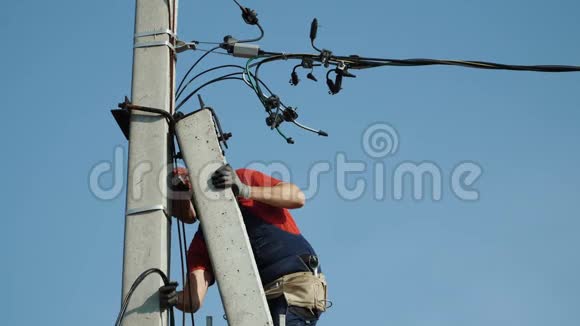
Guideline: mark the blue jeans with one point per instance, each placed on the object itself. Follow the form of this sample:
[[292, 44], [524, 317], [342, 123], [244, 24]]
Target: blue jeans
[[295, 316]]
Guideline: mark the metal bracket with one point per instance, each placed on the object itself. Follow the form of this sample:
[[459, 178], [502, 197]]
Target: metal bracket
[[155, 43], [181, 46], [139, 210]]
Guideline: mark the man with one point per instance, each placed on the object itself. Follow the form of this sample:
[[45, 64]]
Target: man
[[288, 266]]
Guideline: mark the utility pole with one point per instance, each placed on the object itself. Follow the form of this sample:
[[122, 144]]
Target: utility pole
[[225, 234], [147, 223], [147, 227]]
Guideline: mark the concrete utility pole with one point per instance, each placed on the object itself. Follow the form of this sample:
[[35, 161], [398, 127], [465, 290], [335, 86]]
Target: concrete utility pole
[[147, 231], [223, 227], [146, 224]]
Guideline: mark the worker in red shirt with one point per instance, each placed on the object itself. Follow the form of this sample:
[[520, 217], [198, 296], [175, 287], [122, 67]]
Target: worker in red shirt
[[288, 265]]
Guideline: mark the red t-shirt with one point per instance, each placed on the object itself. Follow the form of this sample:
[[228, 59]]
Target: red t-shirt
[[197, 254]]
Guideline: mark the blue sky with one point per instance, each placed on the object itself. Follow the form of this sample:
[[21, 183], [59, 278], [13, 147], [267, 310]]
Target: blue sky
[[509, 258]]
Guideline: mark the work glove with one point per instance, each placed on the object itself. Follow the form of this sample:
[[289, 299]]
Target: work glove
[[168, 295], [225, 177]]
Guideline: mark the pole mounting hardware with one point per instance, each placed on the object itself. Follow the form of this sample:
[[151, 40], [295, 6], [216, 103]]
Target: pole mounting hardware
[[169, 44]]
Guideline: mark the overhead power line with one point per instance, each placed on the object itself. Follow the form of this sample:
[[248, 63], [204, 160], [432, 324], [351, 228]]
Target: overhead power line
[[338, 68]]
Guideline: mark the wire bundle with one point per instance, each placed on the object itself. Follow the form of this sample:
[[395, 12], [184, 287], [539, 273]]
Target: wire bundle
[[339, 65]]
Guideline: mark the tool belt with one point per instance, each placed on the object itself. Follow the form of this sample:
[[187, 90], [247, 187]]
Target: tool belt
[[301, 289]]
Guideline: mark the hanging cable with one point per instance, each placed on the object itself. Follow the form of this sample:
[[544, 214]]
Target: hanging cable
[[184, 238], [256, 38], [192, 67], [251, 18], [183, 280], [224, 77], [182, 246], [134, 286], [464, 63], [203, 73], [341, 66]]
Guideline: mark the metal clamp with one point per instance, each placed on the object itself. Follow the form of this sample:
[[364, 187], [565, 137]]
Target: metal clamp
[[181, 46], [155, 43], [139, 210]]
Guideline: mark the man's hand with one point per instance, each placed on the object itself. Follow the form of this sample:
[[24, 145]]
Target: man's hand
[[225, 177], [168, 296]]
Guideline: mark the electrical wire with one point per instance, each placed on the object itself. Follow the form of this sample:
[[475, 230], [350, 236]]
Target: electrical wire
[[207, 42], [256, 38], [134, 286], [192, 67], [250, 77], [358, 62], [183, 237], [465, 63], [239, 5], [182, 252], [271, 59], [182, 264], [203, 73], [224, 77], [246, 11], [168, 117], [213, 51], [228, 77], [326, 58]]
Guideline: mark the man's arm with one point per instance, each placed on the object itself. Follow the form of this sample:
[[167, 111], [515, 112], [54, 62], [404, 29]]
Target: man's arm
[[182, 207], [197, 285], [282, 195], [183, 210]]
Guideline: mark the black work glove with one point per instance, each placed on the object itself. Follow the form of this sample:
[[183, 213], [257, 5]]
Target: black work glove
[[225, 177], [168, 295]]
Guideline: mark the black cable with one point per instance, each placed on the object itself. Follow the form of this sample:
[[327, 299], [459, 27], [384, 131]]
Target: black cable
[[164, 113], [182, 264], [134, 286], [180, 230], [256, 38], [314, 46], [265, 86], [193, 66], [168, 117], [357, 62], [276, 58], [224, 77], [203, 73], [464, 63], [184, 238], [179, 226], [250, 17]]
